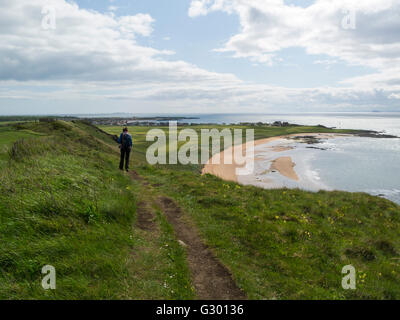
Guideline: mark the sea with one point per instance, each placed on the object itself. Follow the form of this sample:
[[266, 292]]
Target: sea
[[355, 164], [386, 122]]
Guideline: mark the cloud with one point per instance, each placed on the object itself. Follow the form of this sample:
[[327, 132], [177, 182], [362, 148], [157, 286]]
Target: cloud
[[321, 28], [86, 46], [97, 58], [138, 24]]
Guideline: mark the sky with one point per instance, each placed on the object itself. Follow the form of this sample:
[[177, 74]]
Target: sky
[[199, 56]]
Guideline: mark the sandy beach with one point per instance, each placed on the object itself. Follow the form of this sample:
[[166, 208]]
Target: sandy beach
[[284, 165]]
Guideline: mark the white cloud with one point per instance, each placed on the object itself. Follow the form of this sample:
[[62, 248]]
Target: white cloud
[[92, 56], [138, 24], [270, 26], [86, 45], [267, 27]]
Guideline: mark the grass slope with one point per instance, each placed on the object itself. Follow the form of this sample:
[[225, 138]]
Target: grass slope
[[64, 203], [287, 244]]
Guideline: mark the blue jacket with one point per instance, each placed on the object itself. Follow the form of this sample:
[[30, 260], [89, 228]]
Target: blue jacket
[[128, 137]]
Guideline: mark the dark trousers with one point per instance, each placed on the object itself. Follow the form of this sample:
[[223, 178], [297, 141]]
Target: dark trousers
[[125, 153]]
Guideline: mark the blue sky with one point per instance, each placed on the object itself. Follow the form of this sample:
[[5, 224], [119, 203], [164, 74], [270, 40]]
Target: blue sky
[[170, 56], [193, 40]]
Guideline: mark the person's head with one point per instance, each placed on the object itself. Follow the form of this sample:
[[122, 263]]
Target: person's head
[[125, 130]]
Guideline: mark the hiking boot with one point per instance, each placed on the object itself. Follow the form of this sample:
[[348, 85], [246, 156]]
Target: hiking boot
[[127, 170]]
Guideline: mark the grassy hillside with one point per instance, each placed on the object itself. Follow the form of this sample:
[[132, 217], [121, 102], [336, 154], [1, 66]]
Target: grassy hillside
[[287, 244], [64, 202]]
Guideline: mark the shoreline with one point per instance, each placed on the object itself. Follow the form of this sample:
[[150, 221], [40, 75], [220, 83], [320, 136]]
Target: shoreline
[[284, 165]]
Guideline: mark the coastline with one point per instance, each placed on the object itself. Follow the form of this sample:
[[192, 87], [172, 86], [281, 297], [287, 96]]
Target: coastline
[[283, 165]]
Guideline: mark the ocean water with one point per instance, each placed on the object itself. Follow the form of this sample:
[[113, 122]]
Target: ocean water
[[359, 164], [347, 163], [387, 122]]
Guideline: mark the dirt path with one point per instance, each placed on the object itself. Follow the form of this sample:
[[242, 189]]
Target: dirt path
[[212, 281], [145, 217]]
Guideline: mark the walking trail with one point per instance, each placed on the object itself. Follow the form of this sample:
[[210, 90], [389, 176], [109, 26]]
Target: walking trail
[[211, 279]]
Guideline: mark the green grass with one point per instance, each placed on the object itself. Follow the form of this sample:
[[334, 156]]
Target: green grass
[[287, 244], [6, 123], [63, 202]]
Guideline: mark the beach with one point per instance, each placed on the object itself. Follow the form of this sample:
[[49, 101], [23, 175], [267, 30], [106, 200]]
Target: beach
[[284, 165], [316, 161]]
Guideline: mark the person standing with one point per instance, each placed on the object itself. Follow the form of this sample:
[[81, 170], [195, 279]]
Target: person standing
[[125, 141]]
